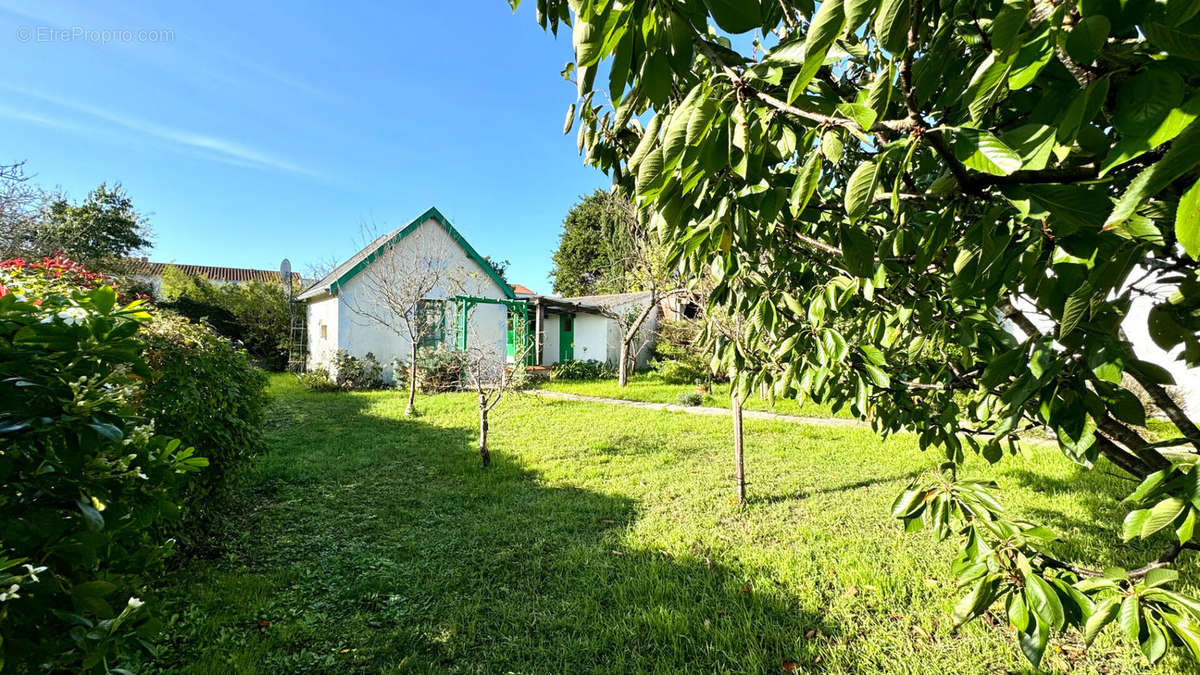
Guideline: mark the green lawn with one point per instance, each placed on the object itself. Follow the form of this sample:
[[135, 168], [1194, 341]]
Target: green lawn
[[602, 539], [650, 387]]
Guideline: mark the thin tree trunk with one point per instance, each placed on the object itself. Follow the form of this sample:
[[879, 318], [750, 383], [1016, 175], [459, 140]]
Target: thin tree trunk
[[411, 409], [736, 408], [483, 431], [623, 367]]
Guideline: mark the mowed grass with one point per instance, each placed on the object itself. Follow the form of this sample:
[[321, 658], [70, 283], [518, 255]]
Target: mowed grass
[[649, 387], [603, 539]]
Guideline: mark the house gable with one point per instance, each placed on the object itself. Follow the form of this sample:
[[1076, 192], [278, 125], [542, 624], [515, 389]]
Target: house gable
[[351, 268]]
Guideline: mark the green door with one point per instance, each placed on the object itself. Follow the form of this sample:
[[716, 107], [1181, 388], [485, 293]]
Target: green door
[[566, 337], [512, 335]]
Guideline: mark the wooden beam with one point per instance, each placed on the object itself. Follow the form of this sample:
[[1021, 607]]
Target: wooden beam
[[537, 331]]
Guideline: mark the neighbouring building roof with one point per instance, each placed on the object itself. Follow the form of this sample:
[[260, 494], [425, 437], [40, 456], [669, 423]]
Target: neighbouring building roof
[[357, 262], [144, 267], [609, 299], [522, 290]]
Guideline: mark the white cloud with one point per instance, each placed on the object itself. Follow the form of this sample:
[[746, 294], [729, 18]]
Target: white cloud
[[217, 148]]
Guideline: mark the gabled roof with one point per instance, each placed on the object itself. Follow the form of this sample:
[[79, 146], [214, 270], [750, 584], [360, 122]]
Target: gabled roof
[[522, 290], [359, 261], [143, 267]]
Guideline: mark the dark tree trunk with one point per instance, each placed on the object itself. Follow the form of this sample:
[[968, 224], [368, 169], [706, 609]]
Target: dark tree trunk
[[740, 473], [484, 455]]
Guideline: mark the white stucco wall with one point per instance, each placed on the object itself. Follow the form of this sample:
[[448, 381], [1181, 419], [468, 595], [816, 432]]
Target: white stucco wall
[[321, 350], [591, 337], [359, 334]]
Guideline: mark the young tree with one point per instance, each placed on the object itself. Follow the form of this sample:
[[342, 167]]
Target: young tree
[[486, 371], [18, 198], [405, 289], [100, 231], [941, 215]]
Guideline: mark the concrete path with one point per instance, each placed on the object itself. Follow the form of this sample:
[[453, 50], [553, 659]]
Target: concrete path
[[702, 410]]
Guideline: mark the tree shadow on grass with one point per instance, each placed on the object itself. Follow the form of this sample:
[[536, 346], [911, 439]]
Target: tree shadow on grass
[[856, 485], [371, 543]]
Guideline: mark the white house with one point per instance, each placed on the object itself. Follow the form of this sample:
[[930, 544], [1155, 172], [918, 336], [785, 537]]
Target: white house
[[478, 308]]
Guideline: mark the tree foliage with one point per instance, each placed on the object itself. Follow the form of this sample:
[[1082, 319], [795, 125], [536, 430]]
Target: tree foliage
[[938, 214], [591, 257], [99, 231]]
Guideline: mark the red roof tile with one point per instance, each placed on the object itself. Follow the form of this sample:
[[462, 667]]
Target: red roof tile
[[155, 269]]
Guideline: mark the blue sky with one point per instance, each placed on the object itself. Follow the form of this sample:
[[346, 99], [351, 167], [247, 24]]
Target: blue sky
[[252, 132]]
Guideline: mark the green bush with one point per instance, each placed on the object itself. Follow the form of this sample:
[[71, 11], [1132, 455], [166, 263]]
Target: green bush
[[318, 379], [255, 313], [679, 357], [583, 370], [353, 373], [87, 488], [680, 372], [204, 390], [691, 398], [439, 369]]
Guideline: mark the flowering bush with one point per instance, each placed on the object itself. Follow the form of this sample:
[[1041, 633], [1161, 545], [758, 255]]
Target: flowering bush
[[58, 274], [86, 485]]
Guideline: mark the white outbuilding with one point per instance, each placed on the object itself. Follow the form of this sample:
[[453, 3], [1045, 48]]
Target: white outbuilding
[[477, 309]]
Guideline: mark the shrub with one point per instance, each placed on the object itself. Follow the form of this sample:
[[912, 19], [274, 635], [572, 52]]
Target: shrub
[[439, 369], [86, 487], [353, 373], [318, 379], [254, 313], [583, 370], [679, 356], [204, 390], [691, 398], [680, 372]]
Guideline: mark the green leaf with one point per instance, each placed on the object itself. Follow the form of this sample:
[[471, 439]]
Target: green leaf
[[649, 170], [1148, 485], [831, 146], [1074, 309], [1132, 525], [987, 86], [982, 151], [93, 589], [1159, 577], [860, 190], [861, 113], [825, 27], [1180, 159], [1033, 642], [735, 16], [1187, 221], [1187, 528], [856, 12], [1103, 615], [1144, 101], [806, 182], [1007, 25], [570, 121], [1044, 601], [891, 25], [973, 603], [1087, 38], [1129, 619], [103, 299], [877, 375], [1162, 514], [907, 503], [1032, 57], [91, 516], [648, 140], [1155, 644]]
